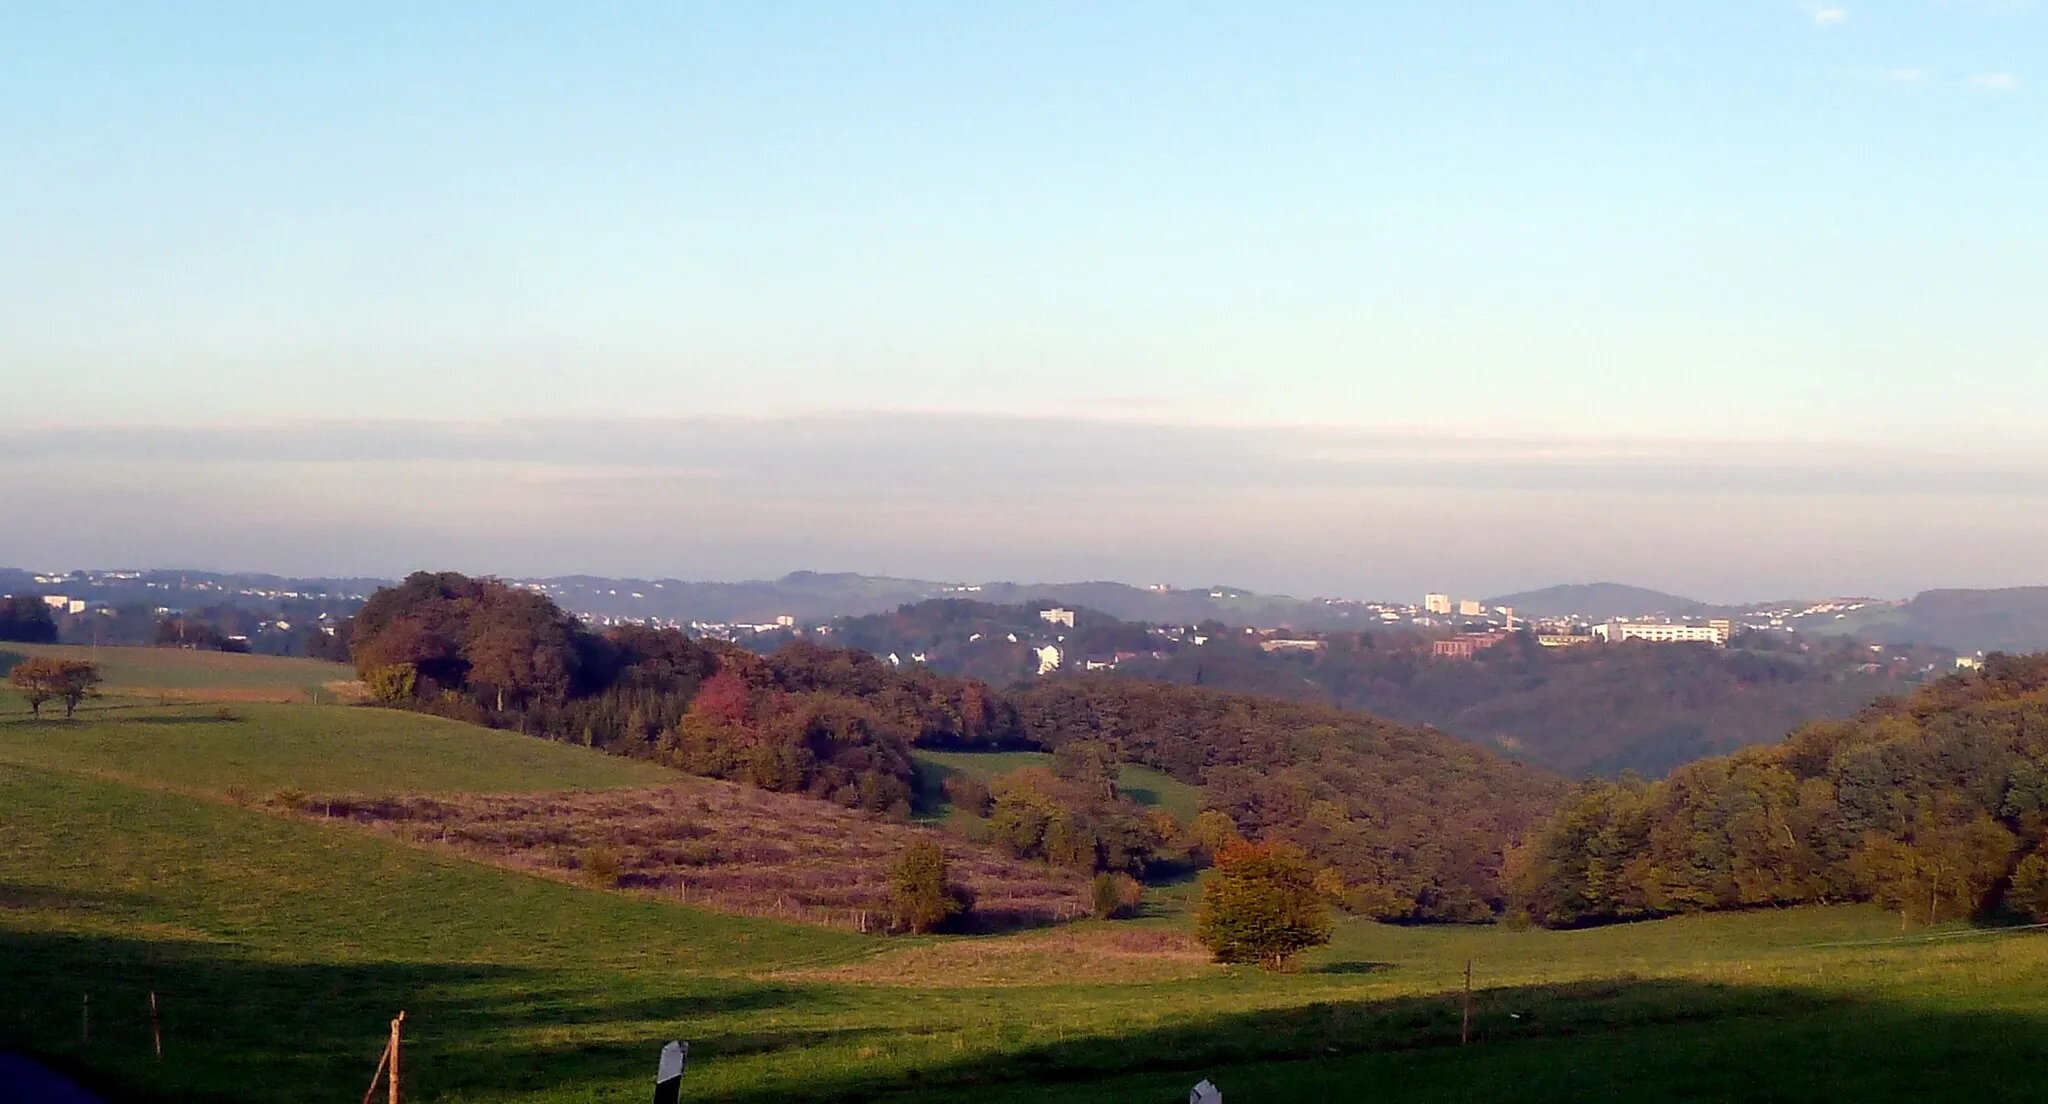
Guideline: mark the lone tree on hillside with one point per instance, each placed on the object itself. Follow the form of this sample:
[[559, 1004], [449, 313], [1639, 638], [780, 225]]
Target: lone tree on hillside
[[1262, 904], [918, 890], [43, 677]]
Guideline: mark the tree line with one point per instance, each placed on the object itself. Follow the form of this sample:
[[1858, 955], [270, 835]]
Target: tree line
[[1934, 805]]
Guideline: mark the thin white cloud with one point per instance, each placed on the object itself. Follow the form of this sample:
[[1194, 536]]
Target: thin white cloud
[[1907, 76], [1995, 82], [1829, 16]]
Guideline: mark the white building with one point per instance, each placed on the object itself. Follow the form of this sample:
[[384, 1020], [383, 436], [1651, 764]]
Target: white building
[[1471, 608], [1048, 659], [1057, 616], [1614, 632], [1436, 603]]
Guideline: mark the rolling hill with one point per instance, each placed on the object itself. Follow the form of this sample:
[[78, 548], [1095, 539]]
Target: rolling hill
[[1598, 602]]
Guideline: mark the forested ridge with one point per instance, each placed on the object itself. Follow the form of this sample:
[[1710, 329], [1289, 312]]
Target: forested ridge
[[1413, 822], [1935, 805]]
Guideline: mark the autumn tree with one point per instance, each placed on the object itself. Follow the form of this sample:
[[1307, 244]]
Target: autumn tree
[[919, 892], [34, 679], [2029, 892], [1262, 903], [42, 678], [1935, 871], [77, 680]]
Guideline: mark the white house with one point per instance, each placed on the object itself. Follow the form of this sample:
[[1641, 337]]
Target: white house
[[1048, 659]]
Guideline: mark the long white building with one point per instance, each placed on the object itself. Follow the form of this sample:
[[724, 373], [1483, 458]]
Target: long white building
[[1713, 632]]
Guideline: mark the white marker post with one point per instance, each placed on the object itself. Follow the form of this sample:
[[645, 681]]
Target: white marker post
[[668, 1077]]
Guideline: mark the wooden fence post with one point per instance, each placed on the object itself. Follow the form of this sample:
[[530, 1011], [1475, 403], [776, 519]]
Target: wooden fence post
[[395, 1024], [156, 1027], [387, 1064], [1465, 1027]]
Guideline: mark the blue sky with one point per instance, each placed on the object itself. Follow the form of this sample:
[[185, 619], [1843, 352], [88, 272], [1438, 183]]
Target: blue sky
[[1745, 226]]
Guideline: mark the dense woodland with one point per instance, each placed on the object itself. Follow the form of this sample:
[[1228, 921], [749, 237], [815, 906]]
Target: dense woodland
[[1414, 822], [1935, 805], [24, 618], [1594, 709]]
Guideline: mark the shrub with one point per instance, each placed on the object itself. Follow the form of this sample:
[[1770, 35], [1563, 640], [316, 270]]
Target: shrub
[[968, 793], [918, 892], [600, 866], [1262, 904], [392, 682], [1113, 895]]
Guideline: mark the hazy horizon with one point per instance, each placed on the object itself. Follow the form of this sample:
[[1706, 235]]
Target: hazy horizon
[[1294, 510], [1734, 301]]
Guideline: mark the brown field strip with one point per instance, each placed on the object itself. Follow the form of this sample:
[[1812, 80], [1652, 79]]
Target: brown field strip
[[717, 845]]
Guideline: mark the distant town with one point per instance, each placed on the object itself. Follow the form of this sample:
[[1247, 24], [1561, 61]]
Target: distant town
[[266, 613]]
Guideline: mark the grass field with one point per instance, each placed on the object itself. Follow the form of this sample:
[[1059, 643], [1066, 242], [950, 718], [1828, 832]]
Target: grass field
[[179, 675], [1142, 784], [280, 947], [264, 747]]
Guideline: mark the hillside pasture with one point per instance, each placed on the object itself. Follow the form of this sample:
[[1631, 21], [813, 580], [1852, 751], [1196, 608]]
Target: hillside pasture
[[1148, 787], [251, 750], [190, 675], [280, 947]]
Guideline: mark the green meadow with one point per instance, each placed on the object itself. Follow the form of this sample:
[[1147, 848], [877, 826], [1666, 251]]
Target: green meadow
[[280, 947], [177, 674], [252, 749], [1144, 785]]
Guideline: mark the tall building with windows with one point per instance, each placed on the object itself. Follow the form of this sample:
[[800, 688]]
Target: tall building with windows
[[1436, 603]]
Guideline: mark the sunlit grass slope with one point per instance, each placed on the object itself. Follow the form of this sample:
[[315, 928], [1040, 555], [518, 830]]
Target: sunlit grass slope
[[179, 674], [261, 748]]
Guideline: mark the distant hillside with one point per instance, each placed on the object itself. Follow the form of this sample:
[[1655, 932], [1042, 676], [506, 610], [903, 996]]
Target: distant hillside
[[2010, 620], [813, 598], [1596, 709], [1597, 602]]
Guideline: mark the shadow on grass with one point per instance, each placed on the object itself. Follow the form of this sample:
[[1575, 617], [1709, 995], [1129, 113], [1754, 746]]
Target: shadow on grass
[[239, 1029], [1351, 968], [26, 895], [1616, 1040]]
